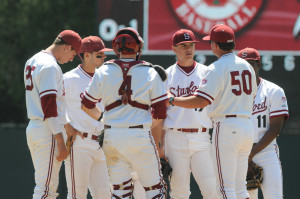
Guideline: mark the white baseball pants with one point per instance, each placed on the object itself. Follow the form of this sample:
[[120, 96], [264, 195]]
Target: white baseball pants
[[43, 149], [86, 168], [132, 149], [190, 152], [232, 143], [271, 186]]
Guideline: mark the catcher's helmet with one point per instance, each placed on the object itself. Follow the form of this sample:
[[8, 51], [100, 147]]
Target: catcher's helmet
[[126, 41]]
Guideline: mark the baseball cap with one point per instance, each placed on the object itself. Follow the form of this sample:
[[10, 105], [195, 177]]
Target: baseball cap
[[72, 38], [93, 44], [183, 36], [249, 54], [220, 33]]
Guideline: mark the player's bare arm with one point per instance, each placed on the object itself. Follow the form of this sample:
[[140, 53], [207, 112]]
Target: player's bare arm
[[93, 112], [269, 136], [189, 102], [62, 150], [156, 131]]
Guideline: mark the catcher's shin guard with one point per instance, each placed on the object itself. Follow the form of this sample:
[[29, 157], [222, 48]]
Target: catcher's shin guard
[[123, 190]]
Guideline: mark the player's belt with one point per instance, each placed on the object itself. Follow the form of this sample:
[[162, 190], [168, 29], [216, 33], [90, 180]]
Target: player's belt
[[94, 137], [228, 116], [131, 127], [189, 130]]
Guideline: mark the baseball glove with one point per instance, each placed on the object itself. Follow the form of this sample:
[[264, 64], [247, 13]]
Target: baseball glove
[[166, 168], [254, 176], [69, 144]]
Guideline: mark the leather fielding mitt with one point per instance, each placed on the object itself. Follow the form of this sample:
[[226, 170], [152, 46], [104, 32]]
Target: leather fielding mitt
[[254, 176], [166, 168], [69, 144]]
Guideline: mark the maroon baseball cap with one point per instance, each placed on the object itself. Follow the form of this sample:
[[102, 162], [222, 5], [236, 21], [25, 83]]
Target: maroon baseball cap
[[249, 54], [72, 38], [220, 33], [93, 44], [184, 36]]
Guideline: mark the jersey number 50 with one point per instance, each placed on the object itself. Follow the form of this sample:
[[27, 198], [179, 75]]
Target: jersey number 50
[[246, 83]]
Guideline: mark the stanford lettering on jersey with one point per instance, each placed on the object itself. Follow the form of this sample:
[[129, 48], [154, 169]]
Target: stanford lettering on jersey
[[188, 91], [259, 107]]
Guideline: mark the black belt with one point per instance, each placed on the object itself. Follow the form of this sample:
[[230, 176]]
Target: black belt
[[131, 127]]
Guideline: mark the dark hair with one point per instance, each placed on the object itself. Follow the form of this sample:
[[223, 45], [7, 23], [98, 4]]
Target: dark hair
[[59, 41], [226, 46]]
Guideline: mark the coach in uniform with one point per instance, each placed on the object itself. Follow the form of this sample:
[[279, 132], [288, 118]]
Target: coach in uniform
[[45, 104], [187, 141], [128, 87], [229, 86], [86, 166], [270, 109]]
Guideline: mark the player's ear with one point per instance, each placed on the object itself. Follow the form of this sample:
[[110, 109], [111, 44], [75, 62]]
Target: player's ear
[[173, 48], [67, 47]]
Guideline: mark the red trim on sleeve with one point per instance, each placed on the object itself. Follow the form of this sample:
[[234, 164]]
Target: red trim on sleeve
[[85, 93], [207, 96], [49, 106], [286, 116], [48, 91], [159, 110], [87, 103]]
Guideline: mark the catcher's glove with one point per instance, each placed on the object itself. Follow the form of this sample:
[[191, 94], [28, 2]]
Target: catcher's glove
[[254, 176], [166, 169], [69, 144]]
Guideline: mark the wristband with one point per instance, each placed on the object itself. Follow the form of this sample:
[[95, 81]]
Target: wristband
[[171, 99]]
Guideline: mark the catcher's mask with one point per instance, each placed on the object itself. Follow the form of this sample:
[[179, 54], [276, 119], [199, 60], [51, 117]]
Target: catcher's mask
[[126, 42]]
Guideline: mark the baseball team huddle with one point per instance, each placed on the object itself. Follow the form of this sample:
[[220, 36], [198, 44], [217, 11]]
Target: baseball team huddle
[[144, 114]]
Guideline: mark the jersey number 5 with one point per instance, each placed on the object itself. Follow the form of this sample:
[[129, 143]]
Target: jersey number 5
[[28, 82], [246, 83]]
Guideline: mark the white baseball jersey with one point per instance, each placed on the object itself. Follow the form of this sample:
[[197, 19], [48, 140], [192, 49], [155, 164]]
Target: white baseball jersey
[[43, 76], [233, 93], [76, 81], [182, 84], [107, 82], [270, 101]]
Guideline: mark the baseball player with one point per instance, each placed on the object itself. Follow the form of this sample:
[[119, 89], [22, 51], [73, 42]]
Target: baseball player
[[229, 86], [45, 104], [187, 141], [270, 109], [128, 87], [86, 166]]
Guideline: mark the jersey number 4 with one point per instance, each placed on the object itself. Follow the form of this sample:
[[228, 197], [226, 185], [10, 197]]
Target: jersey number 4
[[245, 85], [125, 87], [28, 77]]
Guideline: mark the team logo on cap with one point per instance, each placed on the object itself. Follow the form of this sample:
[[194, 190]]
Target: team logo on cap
[[244, 54], [202, 15], [186, 36]]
